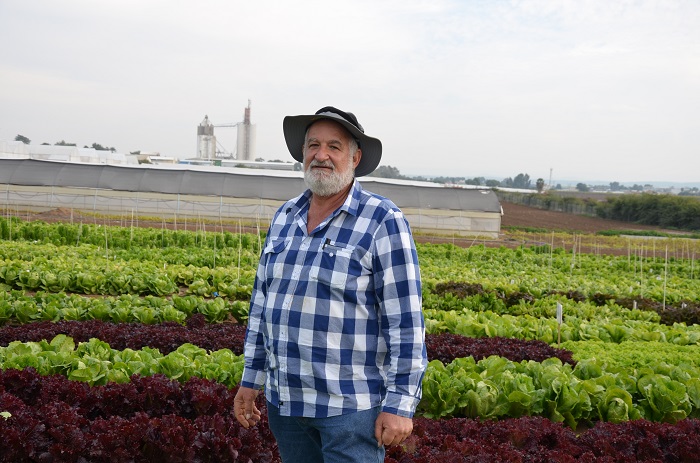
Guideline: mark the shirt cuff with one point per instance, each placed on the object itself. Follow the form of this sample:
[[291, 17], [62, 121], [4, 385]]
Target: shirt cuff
[[253, 379], [401, 405]]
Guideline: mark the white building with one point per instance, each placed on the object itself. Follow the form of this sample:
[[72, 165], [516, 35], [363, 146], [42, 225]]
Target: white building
[[19, 150]]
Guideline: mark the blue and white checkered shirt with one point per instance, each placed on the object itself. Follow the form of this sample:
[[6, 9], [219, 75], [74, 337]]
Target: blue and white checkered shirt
[[335, 322]]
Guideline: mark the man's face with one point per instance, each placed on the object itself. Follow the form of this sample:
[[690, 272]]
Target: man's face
[[329, 165]]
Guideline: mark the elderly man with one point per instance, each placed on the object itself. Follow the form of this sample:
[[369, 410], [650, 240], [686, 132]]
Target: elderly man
[[335, 331]]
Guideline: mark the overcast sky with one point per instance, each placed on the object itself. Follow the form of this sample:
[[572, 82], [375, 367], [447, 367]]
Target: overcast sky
[[585, 89]]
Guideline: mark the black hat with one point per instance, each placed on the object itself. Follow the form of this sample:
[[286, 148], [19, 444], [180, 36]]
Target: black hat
[[295, 130]]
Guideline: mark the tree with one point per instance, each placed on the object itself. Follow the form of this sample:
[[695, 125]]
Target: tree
[[582, 187], [521, 181], [23, 139], [387, 172], [98, 147], [478, 181], [65, 143], [540, 185], [493, 183]]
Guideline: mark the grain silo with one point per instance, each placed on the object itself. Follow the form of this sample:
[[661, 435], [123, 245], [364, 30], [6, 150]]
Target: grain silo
[[245, 147], [206, 141]]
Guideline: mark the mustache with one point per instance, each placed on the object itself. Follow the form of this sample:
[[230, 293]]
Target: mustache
[[316, 163]]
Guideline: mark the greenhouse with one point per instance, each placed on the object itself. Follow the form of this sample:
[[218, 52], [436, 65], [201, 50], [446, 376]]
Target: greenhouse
[[226, 193]]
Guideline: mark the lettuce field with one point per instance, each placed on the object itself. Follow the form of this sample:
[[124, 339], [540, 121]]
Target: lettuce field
[[123, 344]]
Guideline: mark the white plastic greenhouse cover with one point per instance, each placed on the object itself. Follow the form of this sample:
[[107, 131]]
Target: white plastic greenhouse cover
[[230, 182]]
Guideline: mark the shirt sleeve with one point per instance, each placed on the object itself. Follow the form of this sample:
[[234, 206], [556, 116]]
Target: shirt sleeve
[[254, 366], [398, 290]]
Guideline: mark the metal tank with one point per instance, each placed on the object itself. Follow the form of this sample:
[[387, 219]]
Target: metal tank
[[245, 146], [206, 141]]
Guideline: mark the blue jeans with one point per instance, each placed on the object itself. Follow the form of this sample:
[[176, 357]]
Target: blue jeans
[[338, 439]]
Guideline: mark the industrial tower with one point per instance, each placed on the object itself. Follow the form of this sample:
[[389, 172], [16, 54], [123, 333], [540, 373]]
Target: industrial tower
[[246, 138], [245, 144]]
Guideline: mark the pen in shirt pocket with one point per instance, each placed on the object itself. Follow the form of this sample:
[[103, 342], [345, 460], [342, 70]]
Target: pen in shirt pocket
[[327, 243]]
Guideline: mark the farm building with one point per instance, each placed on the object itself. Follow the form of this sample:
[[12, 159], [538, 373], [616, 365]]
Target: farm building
[[63, 153], [226, 193]]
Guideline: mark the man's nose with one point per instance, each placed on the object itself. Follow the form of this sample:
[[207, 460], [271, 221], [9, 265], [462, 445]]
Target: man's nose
[[323, 153]]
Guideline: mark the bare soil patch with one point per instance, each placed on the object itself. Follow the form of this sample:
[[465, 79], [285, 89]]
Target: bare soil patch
[[516, 215]]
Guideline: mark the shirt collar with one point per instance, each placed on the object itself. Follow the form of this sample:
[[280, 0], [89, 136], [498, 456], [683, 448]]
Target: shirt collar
[[350, 205], [352, 202]]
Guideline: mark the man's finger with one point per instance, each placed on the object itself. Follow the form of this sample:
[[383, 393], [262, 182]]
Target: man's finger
[[378, 430], [249, 415]]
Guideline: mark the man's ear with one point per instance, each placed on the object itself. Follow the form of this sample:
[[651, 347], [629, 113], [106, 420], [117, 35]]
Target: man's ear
[[356, 158]]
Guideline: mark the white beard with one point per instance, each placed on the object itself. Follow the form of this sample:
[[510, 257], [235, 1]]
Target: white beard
[[327, 184]]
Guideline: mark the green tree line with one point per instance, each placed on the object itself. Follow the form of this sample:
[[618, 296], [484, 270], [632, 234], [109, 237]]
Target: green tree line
[[669, 211]]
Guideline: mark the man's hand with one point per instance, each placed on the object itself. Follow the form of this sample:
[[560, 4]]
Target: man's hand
[[244, 407], [390, 429]]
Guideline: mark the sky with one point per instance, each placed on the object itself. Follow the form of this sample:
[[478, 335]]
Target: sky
[[564, 90]]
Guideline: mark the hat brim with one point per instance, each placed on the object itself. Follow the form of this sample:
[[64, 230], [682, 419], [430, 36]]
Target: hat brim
[[295, 130]]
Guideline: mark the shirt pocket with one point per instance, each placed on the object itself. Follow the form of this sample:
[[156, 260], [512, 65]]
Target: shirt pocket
[[274, 259], [334, 266]]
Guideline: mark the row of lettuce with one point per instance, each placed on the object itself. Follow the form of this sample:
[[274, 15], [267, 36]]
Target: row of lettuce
[[154, 419], [581, 321], [50, 256], [495, 387]]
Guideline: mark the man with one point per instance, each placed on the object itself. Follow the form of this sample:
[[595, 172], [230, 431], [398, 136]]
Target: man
[[335, 330]]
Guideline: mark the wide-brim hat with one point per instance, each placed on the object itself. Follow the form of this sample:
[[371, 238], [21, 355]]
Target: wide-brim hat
[[295, 130]]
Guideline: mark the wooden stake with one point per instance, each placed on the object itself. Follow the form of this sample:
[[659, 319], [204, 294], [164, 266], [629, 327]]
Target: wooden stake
[[665, 277]]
